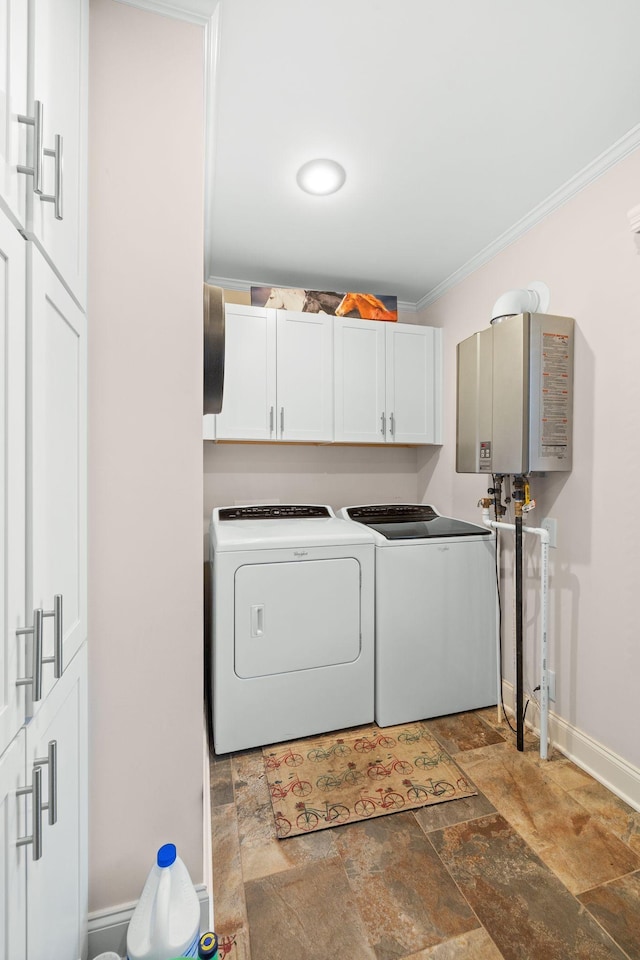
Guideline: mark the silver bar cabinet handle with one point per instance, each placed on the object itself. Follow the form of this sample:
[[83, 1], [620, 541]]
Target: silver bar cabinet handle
[[36, 679], [37, 122], [52, 761], [281, 421], [56, 659], [36, 813], [392, 425], [56, 197], [270, 419], [382, 423]]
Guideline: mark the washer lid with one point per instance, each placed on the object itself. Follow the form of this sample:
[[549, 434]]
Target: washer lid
[[412, 521], [285, 525]]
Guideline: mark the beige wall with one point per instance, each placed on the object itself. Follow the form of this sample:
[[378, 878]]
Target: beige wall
[[145, 449], [298, 473], [585, 253]]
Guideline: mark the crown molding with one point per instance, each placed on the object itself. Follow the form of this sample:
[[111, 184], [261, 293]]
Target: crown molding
[[618, 151], [200, 16], [229, 284]]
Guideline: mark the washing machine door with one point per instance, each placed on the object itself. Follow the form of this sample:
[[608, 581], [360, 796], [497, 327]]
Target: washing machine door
[[296, 616]]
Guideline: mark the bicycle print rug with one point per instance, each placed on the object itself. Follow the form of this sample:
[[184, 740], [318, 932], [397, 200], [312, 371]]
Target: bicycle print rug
[[321, 782]]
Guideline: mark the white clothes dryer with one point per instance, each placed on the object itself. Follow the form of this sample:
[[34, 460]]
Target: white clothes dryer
[[292, 624], [435, 612]]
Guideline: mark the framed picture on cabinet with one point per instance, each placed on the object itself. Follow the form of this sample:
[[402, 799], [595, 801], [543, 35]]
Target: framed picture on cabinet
[[366, 306]]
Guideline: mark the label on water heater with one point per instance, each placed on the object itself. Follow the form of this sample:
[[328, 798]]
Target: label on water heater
[[484, 457], [555, 398]]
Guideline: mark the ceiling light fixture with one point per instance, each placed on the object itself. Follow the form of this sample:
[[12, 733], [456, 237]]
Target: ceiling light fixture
[[321, 177]]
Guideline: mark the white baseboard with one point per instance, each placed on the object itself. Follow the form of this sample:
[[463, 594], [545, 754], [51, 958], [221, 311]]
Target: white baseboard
[[605, 766], [108, 928]]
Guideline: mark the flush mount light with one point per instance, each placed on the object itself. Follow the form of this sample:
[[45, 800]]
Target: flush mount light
[[321, 177]]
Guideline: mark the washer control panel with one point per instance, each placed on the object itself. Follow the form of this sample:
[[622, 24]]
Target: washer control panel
[[392, 513]]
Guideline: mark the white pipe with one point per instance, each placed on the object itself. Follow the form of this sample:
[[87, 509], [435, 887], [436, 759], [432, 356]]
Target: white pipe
[[544, 586], [498, 637]]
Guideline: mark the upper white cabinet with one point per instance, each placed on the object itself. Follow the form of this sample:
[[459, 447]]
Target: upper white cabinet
[[413, 383], [249, 397], [360, 368], [312, 378], [278, 380], [387, 382], [304, 349], [43, 144]]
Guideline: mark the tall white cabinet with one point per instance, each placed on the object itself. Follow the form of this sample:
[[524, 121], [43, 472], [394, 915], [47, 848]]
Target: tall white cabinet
[[43, 590]]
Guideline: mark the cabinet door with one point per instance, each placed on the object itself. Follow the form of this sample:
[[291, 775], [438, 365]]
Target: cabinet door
[[56, 462], [13, 647], [13, 103], [249, 397], [413, 383], [359, 379], [305, 376], [13, 859], [57, 882], [59, 31]]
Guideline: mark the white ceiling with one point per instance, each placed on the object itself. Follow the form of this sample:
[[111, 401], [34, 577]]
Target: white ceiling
[[459, 122]]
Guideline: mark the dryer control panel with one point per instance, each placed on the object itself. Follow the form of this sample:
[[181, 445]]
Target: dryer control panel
[[291, 511]]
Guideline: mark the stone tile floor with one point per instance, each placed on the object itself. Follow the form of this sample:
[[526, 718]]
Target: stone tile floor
[[543, 863]]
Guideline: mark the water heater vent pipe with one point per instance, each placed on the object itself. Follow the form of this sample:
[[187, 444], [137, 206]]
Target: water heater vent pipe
[[544, 586], [533, 299]]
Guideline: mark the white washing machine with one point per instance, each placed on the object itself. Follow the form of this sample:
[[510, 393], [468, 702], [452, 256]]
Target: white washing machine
[[292, 624], [435, 612]]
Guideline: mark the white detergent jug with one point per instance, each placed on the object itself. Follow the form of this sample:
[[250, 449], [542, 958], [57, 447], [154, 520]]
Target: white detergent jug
[[166, 920]]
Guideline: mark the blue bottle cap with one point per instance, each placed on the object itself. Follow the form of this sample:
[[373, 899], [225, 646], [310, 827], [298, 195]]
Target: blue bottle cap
[[167, 855], [208, 946]]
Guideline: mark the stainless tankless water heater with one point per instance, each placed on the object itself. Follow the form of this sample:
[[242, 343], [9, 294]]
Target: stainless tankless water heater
[[515, 396]]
